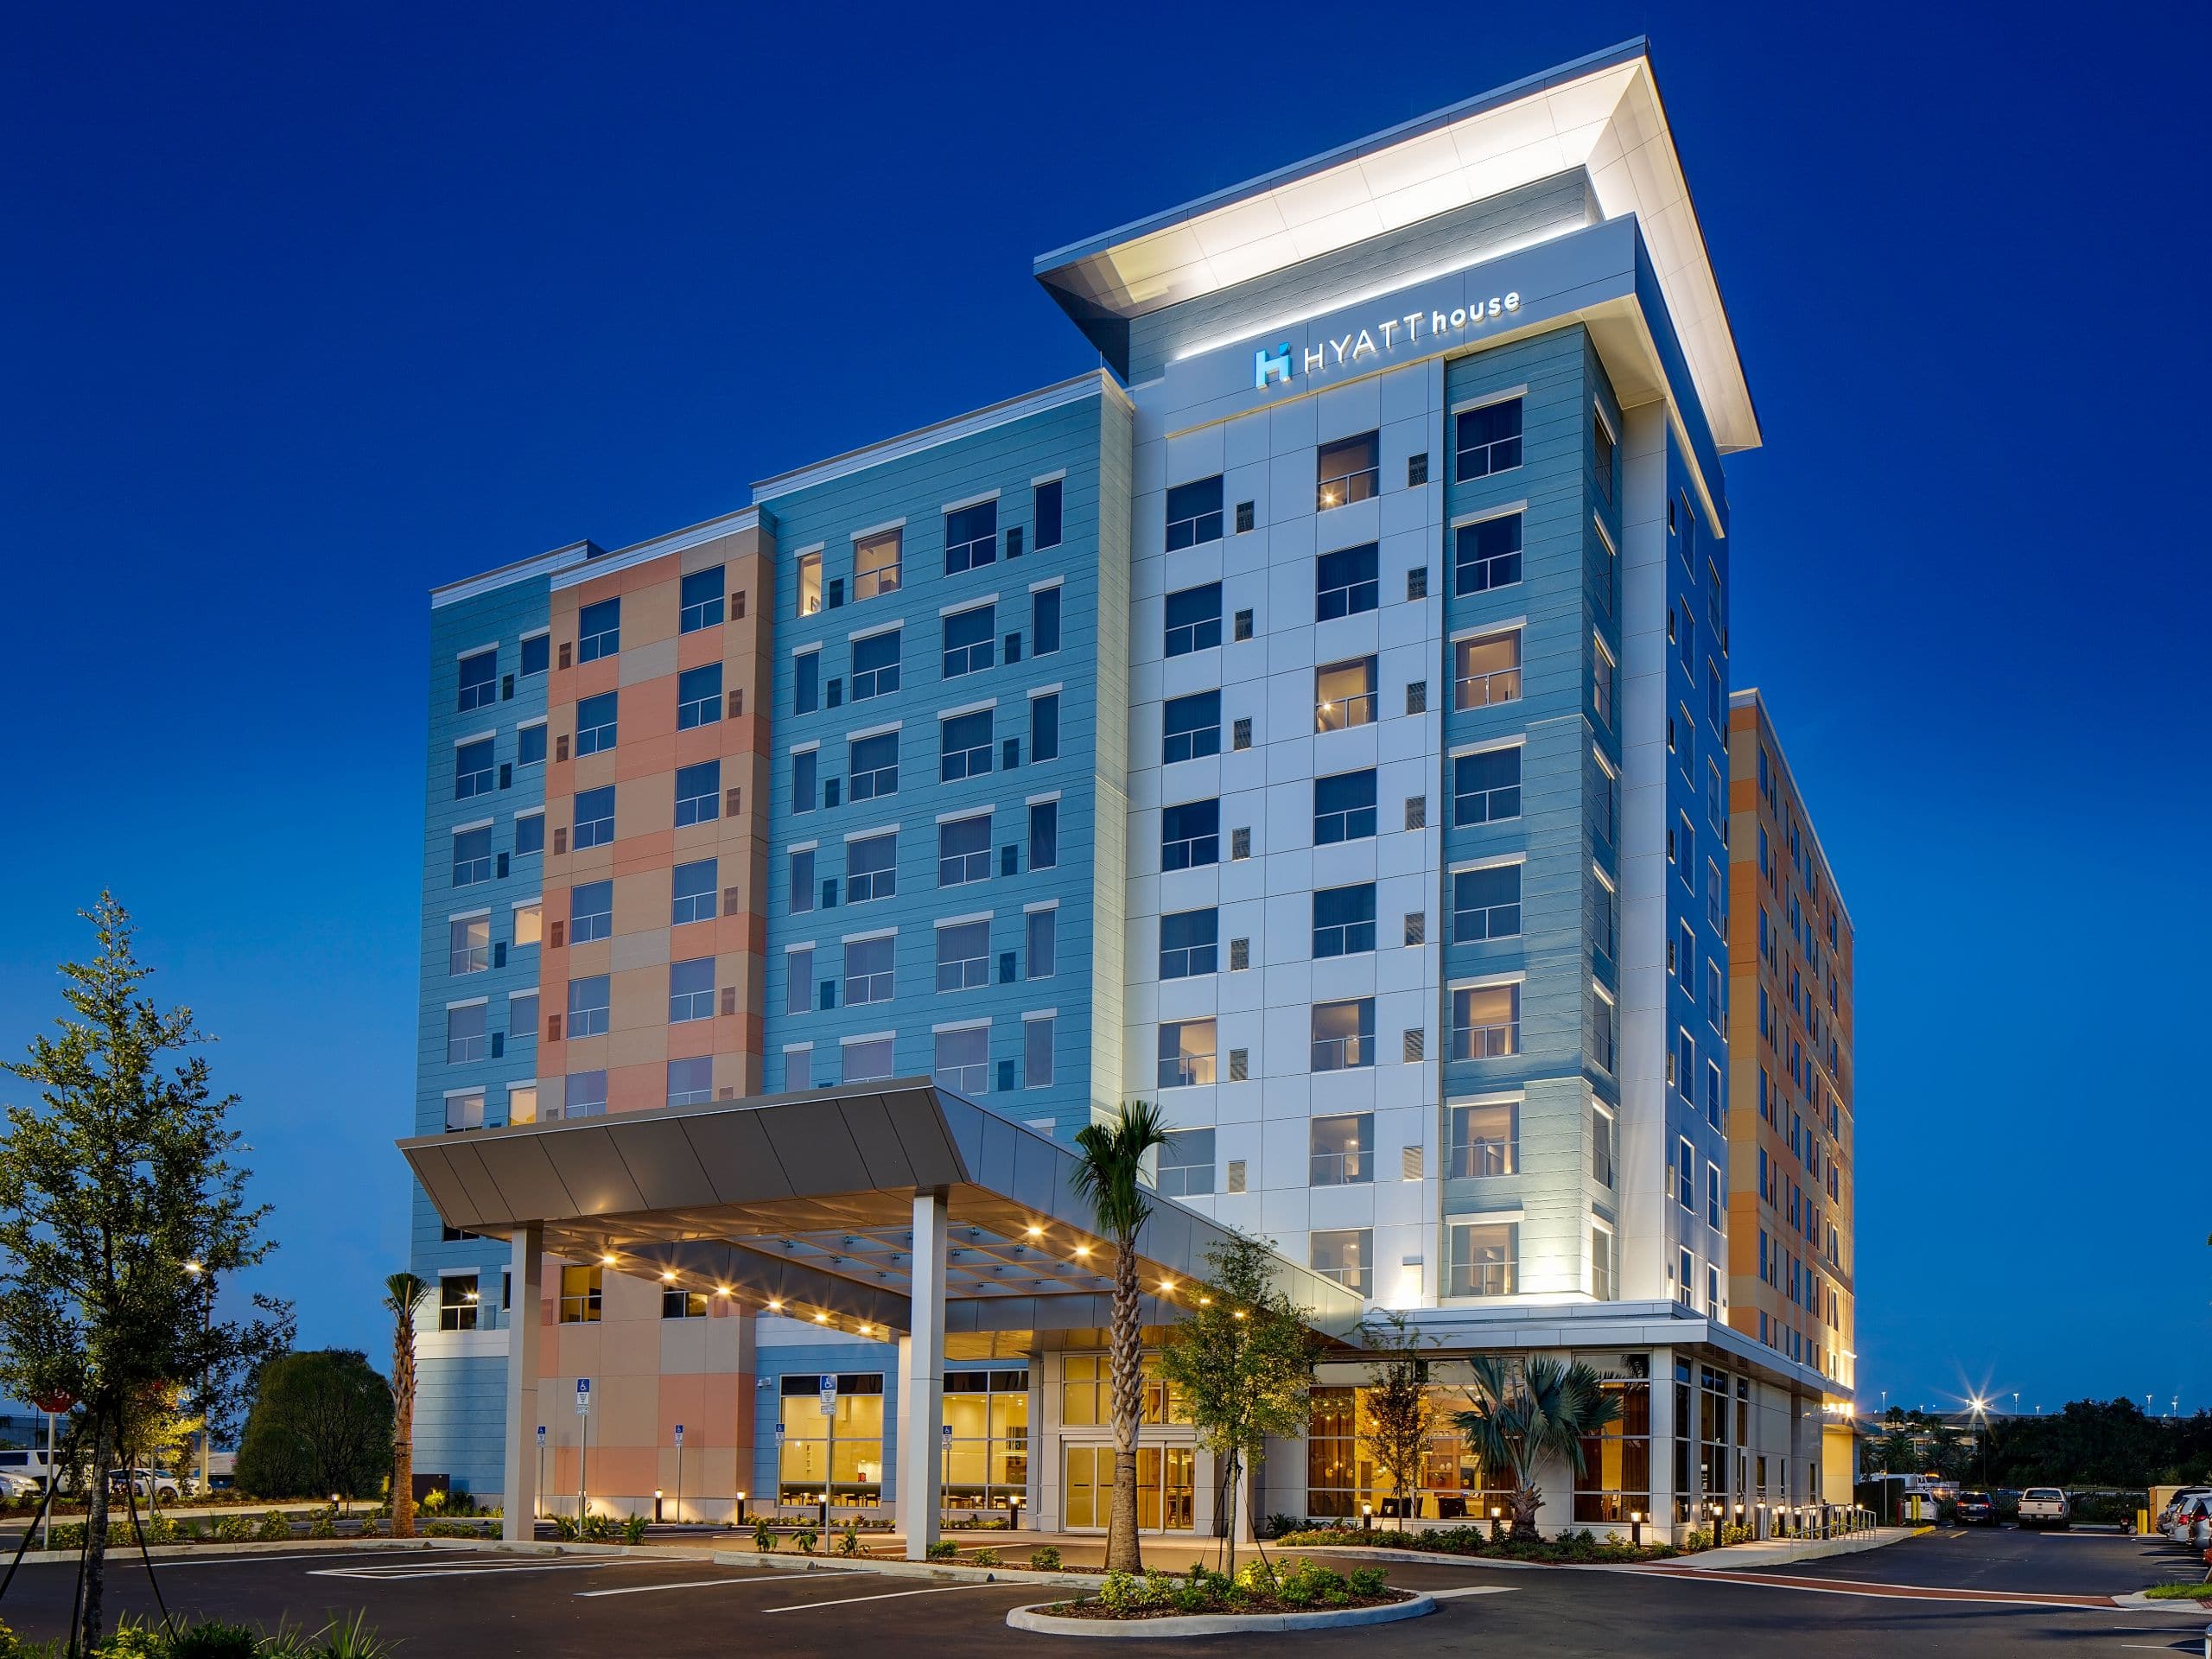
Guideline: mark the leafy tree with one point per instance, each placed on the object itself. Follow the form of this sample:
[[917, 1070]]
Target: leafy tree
[[402, 1294], [321, 1424], [121, 1174], [1400, 1416], [1523, 1413], [1109, 1163], [1243, 1363]]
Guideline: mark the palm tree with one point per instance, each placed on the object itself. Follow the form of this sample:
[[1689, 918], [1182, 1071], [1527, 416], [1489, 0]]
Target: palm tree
[[403, 1292], [1523, 1414], [1107, 1177]]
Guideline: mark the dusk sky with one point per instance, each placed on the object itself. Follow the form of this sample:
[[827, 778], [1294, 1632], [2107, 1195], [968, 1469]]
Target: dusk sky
[[307, 310]]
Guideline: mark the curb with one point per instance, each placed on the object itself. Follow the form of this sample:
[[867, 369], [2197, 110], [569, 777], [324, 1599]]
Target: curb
[[1035, 1618], [943, 1572], [118, 1549], [1721, 1560]]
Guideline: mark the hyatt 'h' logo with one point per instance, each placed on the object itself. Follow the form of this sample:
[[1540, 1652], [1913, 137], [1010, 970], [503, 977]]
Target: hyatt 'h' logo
[[1270, 366]]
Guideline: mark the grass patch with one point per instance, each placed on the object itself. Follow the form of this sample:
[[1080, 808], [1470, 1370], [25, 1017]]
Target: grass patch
[[2180, 1593]]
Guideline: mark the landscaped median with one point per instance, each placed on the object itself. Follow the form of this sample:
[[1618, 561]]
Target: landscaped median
[[1569, 1548], [1305, 1597]]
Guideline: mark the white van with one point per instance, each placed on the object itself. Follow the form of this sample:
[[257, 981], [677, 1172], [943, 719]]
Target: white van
[[31, 1466]]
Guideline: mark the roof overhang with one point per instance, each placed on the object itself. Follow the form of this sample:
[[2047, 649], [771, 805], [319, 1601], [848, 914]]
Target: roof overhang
[[801, 1204], [1601, 114]]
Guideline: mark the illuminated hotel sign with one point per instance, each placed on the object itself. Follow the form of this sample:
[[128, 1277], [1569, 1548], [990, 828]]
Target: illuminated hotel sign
[[1276, 367]]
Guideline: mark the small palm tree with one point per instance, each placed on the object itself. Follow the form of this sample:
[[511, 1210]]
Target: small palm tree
[[1523, 1414], [1107, 1177], [402, 1294]]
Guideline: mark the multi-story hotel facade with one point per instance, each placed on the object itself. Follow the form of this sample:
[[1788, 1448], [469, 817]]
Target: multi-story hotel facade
[[1316, 722]]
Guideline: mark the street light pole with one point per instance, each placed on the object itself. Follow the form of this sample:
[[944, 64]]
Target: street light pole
[[205, 1281]]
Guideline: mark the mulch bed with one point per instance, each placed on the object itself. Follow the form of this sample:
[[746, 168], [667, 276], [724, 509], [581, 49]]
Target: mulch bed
[[1244, 1606]]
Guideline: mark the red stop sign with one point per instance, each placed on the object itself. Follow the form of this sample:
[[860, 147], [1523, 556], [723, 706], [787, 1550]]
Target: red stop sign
[[56, 1402]]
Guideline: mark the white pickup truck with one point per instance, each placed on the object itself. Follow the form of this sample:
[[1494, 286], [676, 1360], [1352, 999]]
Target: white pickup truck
[[2044, 1506]]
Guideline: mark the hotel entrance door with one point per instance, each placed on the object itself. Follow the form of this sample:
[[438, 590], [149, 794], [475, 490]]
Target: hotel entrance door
[[1164, 1476]]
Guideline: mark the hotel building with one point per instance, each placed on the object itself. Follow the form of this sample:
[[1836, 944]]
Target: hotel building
[[1317, 721]]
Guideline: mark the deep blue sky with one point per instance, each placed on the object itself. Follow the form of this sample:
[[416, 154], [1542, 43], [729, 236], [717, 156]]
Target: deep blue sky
[[306, 308]]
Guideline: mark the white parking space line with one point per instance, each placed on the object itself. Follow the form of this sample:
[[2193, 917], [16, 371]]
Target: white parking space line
[[744, 1577], [893, 1595], [167, 1562], [1469, 1590], [396, 1573]]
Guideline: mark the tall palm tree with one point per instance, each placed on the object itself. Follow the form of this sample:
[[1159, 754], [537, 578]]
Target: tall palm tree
[[402, 1294], [1523, 1414], [1107, 1172]]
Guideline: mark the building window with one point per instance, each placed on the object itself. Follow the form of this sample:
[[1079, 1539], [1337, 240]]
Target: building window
[[801, 893], [798, 979], [1486, 1021], [599, 630], [1341, 1151], [479, 680], [464, 1110], [698, 792], [1344, 920], [809, 583], [690, 990], [806, 787], [1186, 1165], [587, 1003], [1346, 1255], [676, 1303], [583, 1094], [1045, 513], [1343, 695], [530, 834], [1486, 786], [1685, 1073], [1343, 807], [868, 1061], [591, 912], [596, 723], [522, 1017], [1601, 454], [537, 654], [871, 868], [1040, 929], [964, 747], [1192, 619], [1190, 835], [1045, 727], [1189, 728], [1716, 1103], [1484, 1260], [698, 696], [472, 769], [529, 745], [457, 1302], [1486, 555], [876, 564], [1346, 583], [869, 970], [1348, 470], [470, 944], [1604, 1029], [872, 766], [1601, 1145], [700, 598], [875, 665], [1486, 1141], [1602, 1277], [1685, 1175], [1186, 1053], [1486, 670], [1486, 904], [1037, 1050], [1487, 440], [963, 851], [963, 952], [806, 669], [1716, 1207], [1189, 943], [963, 1059], [971, 538], [1344, 1034], [692, 1081], [798, 1065], [970, 637], [1194, 513], [692, 893], [579, 1293], [594, 817], [1601, 680], [1045, 621], [529, 921], [1044, 834]]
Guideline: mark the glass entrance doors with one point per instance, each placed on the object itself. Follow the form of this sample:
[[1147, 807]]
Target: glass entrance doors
[[1165, 1476]]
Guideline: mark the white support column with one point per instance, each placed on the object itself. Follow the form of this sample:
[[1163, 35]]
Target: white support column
[[921, 1468], [526, 1278]]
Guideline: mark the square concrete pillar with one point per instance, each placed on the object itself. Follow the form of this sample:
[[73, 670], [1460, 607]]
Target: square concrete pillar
[[526, 1279], [921, 1466]]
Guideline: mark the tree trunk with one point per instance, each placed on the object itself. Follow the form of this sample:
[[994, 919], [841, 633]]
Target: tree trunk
[[403, 1428], [1229, 1512], [1123, 1555], [1527, 1498], [96, 1533]]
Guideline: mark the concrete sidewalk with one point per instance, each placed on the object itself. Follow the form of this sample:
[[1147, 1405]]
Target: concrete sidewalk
[[1782, 1552]]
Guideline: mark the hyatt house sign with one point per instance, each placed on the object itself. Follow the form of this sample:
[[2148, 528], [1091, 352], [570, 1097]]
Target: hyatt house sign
[[1276, 367]]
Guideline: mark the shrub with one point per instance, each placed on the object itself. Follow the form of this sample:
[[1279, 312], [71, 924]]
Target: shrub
[[132, 1639], [275, 1528], [1696, 1540], [69, 1534], [352, 1638], [1120, 1592], [945, 1550], [235, 1529], [985, 1558], [1369, 1580], [1306, 1584], [323, 1523], [597, 1529], [213, 1639], [452, 1530], [1257, 1577], [1735, 1534], [566, 1529], [764, 1536], [848, 1540], [633, 1529], [805, 1538], [1046, 1560], [1278, 1525]]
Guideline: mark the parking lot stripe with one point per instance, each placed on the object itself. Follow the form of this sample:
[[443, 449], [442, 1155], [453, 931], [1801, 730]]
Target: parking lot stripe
[[892, 1595], [692, 1584], [1470, 1590], [393, 1574]]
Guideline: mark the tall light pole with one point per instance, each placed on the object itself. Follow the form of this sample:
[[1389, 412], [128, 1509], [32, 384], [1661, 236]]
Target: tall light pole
[[1981, 1418], [206, 1281]]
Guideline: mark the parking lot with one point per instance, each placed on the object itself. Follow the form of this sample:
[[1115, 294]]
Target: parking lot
[[1977, 1593]]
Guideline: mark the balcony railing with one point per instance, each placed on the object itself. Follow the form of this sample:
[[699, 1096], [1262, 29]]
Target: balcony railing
[[1349, 600], [1477, 1160], [1185, 1070], [1485, 1042], [1482, 691], [1341, 1169], [1342, 714], [1343, 1054], [1346, 487]]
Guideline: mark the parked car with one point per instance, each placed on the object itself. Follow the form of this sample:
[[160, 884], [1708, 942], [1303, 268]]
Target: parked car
[[1976, 1509], [30, 1464], [2174, 1504], [2044, 1506], [145, 1483], [15, 1483], [2190, 1522]]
